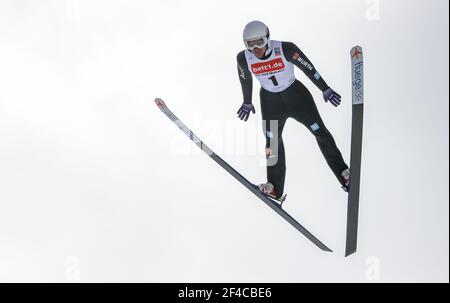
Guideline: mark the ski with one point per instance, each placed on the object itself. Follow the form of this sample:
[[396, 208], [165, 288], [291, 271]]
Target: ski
[[356, 148], [273, 204]]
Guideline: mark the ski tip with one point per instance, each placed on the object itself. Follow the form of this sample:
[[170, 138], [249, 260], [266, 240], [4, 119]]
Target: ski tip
[[160, 103], [356, 52]]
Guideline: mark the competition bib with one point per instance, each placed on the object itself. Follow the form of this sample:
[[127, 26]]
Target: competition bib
[[274, 73]]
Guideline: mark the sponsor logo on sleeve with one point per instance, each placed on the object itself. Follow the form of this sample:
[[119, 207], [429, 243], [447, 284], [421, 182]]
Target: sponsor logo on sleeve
[[305, 63], [241, 72], [277, 51]]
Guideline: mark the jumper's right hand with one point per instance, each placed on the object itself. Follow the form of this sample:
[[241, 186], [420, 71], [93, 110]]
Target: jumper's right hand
[[244, 111]]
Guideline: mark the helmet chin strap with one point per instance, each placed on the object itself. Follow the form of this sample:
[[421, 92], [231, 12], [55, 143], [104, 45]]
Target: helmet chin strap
[[269, 47]]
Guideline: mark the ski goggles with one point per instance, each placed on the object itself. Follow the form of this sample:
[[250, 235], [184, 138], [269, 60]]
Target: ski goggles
[[256, 43]]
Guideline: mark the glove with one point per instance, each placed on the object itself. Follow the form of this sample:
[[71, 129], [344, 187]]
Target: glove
[[244, 111], [332, 96]]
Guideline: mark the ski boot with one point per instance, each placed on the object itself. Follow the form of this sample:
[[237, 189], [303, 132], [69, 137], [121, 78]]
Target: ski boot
[[269, 190], [346, 179]]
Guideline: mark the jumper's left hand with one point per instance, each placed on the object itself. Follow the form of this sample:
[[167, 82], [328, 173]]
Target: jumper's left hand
[[332, 96]]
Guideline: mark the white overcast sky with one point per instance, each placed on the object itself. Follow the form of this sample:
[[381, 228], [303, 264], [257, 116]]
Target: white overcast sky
[[96, 184]]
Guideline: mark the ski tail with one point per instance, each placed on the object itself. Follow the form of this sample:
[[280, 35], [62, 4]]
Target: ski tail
[[250, 186], [356, 148]]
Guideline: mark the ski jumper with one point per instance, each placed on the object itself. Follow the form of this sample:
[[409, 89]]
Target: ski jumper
[[282, 96]]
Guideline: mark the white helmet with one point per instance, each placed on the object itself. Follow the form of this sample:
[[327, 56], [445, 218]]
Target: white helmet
[[256, 34]]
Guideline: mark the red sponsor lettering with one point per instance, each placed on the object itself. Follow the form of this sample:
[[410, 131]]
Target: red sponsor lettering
[[267, 67]]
